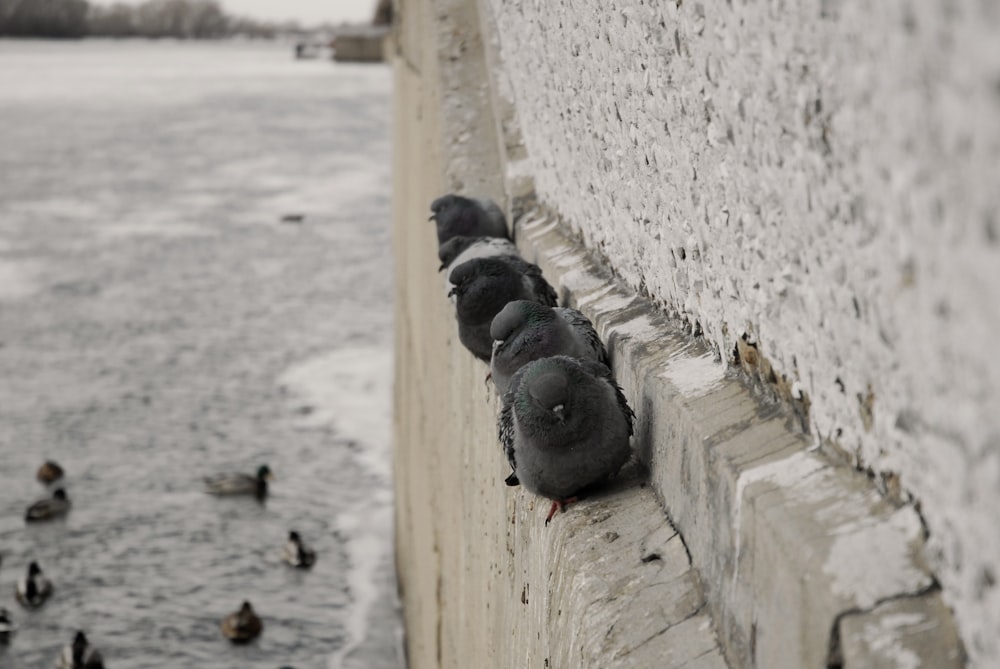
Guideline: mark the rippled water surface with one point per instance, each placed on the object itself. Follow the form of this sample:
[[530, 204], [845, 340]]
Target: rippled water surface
[[160, 323]]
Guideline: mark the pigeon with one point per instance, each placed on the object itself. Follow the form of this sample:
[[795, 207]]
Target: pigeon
[[484, 286], [472, 217], [7, 627], [80, 655], [49, 472], [297, 554], [565, 426], [33, 588], [524, 331], [457, 250], [240, 484], [51, 507], [242, 626]]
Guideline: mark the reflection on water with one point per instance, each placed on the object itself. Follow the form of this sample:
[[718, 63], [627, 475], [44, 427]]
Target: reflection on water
[[160, 323]]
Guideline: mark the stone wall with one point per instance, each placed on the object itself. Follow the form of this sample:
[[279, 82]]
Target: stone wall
[[697, 202], [812, 187]]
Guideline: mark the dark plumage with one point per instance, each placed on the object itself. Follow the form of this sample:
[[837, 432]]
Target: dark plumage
[[471, 217], [457, 250], [565, 426], [483, 286], [48, 508], [49, 472], [524, 331], [242, 626], [80, 655], [7, 627], [240, 484], [296, 553], [33, 588]]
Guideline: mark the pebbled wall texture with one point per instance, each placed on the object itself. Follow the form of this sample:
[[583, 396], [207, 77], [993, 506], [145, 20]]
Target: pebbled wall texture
[[815, 184]]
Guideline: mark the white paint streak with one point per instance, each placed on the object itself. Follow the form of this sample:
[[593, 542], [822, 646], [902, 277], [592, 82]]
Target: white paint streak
[[694, 376], [875, 560], [782, 473], [881, 637]]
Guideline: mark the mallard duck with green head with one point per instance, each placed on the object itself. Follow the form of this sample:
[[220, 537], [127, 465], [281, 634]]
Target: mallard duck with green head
[[51, 507], [243, 625], [33, 588], [240, 484]]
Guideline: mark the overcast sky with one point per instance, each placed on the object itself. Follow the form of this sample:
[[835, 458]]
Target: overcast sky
[[305, 11]]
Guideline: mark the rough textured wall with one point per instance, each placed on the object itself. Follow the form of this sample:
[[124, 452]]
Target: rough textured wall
[[820, 178]]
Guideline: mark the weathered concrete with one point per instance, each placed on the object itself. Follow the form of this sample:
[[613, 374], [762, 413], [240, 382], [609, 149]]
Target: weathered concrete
[[818, 178], [786, 541], [792, 548], [484, 582]]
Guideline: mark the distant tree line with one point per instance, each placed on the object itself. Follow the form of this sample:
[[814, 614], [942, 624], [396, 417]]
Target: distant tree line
[[185, 19]]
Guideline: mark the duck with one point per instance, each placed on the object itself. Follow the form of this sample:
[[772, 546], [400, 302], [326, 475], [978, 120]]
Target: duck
[[243, 625], [240, 484], [33, 588], [48, 508], [297, 553], [80, 655], [49, 472], [7, 627]]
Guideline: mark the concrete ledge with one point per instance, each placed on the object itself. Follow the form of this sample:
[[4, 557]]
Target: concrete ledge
[[786, 542]]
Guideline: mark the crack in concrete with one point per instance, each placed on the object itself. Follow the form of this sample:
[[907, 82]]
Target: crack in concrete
[[835, 655]]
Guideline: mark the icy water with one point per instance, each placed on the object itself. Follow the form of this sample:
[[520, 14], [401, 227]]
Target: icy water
[[160, 323]]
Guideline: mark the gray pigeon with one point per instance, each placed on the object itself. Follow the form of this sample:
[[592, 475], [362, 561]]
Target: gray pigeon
[[472, 217], [459, 249], [524, 331], [483, 286], [565, 426]]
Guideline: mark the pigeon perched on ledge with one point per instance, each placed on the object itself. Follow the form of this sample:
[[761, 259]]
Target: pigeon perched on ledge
[[484, 286], [458, 250], [565, 426], [524, 331], [471, 217]]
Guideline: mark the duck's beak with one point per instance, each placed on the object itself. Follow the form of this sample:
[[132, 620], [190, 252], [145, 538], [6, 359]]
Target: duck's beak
[[270, 476]]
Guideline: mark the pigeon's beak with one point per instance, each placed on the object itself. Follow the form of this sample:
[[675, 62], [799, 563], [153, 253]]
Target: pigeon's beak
[[453, 291], [442, 267], [432, 217], [558, 411]]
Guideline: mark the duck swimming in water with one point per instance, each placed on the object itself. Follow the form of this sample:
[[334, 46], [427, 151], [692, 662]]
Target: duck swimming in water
[[7, 626], [33, 588], [80, 655], [296, 552], [240, 484], [242, 626], [48, 508], [49, 472]]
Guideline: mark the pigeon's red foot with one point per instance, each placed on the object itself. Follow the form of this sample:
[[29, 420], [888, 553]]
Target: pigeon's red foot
[[559, 505]]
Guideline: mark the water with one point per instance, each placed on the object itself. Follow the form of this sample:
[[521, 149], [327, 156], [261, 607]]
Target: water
[[159, 323]]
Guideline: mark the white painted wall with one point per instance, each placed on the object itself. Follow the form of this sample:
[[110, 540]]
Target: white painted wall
[[823, 176]]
